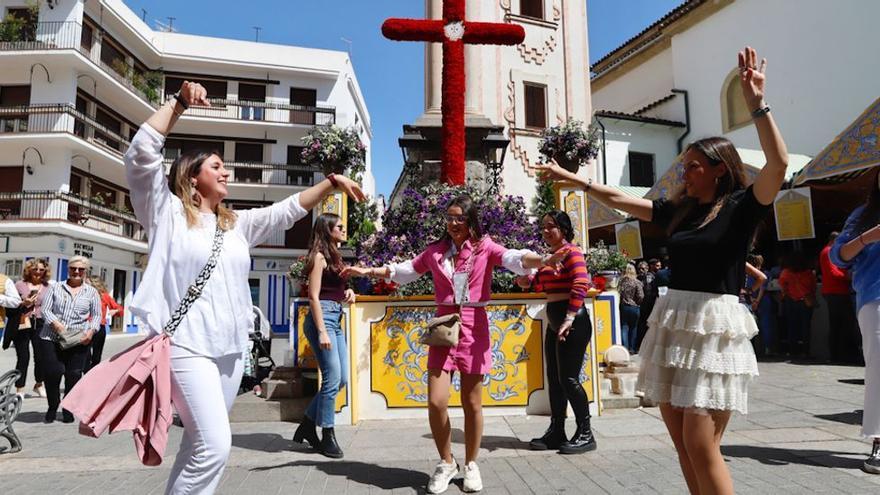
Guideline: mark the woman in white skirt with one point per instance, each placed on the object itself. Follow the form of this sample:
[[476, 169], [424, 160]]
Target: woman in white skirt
[[858, 248], [697, 360]]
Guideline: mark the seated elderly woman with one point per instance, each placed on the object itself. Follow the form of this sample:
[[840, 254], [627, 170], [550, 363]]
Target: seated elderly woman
[[72, 315]]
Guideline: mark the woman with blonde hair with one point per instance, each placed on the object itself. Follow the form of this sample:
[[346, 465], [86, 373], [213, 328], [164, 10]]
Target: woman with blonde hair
[[697, 358], [109, 309], [32, 288], [632, 293], [198, 243]]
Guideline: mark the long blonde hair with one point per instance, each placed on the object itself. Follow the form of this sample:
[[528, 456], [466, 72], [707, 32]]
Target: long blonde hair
[[184, 168], [98, 283]]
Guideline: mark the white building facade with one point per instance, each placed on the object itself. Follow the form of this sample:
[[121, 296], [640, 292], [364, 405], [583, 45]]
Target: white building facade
[[76, 83], [822, 73]]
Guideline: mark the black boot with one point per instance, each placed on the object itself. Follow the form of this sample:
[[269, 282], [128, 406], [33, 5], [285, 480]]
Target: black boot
[[329, 447], [582, 441], [305, 432], [552, 438]]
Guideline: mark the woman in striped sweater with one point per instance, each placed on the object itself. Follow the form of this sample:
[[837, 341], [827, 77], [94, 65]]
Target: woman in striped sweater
[[568, 333]]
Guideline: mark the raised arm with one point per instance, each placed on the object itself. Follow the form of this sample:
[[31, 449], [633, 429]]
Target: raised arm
[[752, 80], [638, 207], [10, 297]]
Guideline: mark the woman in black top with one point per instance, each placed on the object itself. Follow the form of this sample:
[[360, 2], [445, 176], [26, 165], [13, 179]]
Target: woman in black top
[[697, 361]]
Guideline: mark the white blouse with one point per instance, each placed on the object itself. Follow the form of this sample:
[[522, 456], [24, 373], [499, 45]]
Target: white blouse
[[218, 322]]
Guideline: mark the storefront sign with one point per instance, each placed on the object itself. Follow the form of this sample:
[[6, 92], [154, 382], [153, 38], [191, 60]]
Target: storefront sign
[[83, 249]]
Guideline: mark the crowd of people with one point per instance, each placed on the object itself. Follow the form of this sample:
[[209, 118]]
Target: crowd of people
[[693, 322]]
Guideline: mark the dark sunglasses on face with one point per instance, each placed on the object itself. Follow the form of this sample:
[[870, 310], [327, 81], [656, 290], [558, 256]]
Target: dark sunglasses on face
[[456, 218], [75, 269]]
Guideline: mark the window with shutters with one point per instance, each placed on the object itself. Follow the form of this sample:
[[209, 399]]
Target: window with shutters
[[303, 97], [248, 153], [296, 177], [535, 105]]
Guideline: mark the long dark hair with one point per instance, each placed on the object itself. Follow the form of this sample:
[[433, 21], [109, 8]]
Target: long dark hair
[[321, 241], [718, 151], [471, 212], [870, 215], [563, 221]]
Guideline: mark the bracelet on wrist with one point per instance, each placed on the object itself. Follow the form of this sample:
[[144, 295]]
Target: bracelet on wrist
[[588, 185], [181, 100], [333, 181], [761, 111]]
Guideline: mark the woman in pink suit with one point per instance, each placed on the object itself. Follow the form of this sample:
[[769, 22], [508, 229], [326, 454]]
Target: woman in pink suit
[[461, 264]]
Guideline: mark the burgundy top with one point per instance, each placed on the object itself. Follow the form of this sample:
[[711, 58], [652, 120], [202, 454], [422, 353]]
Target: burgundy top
[[332, 286]]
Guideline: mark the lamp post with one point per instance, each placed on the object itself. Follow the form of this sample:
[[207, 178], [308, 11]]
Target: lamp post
[[494, 149]]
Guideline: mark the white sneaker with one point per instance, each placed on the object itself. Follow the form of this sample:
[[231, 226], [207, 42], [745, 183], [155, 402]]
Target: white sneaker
[[40, 391], [472, 480], [443, 474]]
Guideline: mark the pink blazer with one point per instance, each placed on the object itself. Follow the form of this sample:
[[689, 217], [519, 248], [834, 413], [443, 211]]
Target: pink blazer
[[488, 256], [130, 391]]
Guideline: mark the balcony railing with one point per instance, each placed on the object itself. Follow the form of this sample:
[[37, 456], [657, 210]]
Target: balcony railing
[[66, 207], [66, 35], [274, 174], [57, 118], [258, 111]]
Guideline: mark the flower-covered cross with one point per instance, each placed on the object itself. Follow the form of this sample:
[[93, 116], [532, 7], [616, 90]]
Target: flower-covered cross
[[454, 32]]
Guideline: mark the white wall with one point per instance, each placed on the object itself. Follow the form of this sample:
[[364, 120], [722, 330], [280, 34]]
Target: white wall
[[621, 137], [641, 86], [822, 68]]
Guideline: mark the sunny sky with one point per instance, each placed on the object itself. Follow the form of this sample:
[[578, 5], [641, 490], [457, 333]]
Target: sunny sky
[[390, 74]]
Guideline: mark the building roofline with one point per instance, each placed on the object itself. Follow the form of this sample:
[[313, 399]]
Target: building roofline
[[638, 118], [658, 30]]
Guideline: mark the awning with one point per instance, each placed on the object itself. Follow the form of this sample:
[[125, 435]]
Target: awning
[[851, 153]]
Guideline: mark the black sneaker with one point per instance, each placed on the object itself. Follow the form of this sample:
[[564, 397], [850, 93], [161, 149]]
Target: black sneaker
[[872, 463]]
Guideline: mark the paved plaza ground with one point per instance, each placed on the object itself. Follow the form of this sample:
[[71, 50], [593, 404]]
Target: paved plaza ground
[[801, 436]]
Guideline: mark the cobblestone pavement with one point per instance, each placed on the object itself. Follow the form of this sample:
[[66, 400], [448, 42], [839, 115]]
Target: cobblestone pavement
[[801, 436]]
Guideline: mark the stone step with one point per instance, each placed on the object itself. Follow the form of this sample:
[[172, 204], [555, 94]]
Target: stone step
[[248, 408], [616, 401]]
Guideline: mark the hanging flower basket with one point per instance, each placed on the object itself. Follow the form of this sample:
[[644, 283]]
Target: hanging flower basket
[[333, 150], [570, 145]]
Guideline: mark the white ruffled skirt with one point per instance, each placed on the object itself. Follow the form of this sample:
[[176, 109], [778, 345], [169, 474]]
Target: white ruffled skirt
[[697, 352]]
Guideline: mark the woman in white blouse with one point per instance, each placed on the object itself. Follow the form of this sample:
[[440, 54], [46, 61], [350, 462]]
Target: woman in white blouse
[[180, 215]]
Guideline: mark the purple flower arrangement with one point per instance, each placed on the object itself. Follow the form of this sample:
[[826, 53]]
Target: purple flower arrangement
[[418, 220], [572, 142], [333, 150]]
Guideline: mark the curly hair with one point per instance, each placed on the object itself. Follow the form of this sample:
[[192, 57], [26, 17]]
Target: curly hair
[[31, 265]]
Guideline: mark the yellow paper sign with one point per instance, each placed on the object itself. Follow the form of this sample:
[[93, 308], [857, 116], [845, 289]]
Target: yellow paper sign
[[794, 214], [629, 239]]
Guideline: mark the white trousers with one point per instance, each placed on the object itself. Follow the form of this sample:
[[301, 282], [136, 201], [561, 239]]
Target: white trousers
[[202, 391], [869, 323]]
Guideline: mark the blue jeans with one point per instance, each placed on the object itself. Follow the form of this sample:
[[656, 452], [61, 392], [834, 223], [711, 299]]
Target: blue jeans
[[333, 363], [629, 326]]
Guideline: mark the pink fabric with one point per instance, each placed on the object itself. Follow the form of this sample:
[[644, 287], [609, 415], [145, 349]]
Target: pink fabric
[[130, 391], [473, 354]]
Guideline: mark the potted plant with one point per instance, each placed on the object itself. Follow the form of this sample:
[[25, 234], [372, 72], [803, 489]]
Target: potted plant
[[333, 150], [606, 264], [297, 277], [570, 144]]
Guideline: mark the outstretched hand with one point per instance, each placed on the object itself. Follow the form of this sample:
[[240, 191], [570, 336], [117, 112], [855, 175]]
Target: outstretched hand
[[751, 77], [194, 94], [554, 172], [356, 271], [350, 187]]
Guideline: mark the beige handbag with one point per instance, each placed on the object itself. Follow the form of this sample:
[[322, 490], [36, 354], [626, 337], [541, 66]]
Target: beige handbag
[[442, 331]]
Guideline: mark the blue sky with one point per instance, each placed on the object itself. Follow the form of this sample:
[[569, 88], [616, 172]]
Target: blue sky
[[390, 74]]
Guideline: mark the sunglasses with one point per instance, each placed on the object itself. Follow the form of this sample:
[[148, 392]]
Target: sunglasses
[[341, 227], [456, 218], [80, 269]]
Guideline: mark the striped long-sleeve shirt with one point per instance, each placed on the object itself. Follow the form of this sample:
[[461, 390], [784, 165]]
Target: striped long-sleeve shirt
[[80, 311], [573, 278]]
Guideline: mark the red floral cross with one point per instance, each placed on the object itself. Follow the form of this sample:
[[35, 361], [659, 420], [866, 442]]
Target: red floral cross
[[454, 32]]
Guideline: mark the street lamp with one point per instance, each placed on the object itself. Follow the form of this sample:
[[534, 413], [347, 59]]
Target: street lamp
[[494, 149]]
